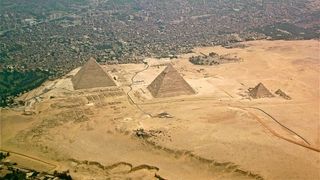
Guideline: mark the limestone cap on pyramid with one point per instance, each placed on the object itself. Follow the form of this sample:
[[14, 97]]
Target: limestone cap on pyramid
[[91, 75], [169, 83], [260, 91]]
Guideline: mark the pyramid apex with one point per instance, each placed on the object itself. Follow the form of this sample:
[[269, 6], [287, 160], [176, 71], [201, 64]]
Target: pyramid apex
[[169, 68], [260, 84], [91, 60]]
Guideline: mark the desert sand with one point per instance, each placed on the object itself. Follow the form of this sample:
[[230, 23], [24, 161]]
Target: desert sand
[[217, 133]]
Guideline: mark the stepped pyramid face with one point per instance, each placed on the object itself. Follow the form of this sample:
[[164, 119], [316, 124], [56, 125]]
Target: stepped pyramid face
[[91, 75], [260, 91], [169, 83]]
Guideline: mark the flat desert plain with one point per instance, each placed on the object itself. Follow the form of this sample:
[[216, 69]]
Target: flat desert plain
[[218, 133]]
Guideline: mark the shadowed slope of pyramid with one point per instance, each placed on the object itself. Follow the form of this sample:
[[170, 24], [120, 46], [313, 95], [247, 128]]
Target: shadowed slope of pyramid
[[260, 91], [91, 75], [169, 83]]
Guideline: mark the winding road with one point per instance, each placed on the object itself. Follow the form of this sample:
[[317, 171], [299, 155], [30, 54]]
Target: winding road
[[130, 86]]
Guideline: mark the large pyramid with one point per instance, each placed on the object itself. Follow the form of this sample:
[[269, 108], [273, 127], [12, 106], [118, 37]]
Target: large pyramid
[[169, 83], [260, 91], [91, 75]]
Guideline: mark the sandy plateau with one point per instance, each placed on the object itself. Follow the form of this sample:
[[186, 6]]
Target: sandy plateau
[[218, 133]]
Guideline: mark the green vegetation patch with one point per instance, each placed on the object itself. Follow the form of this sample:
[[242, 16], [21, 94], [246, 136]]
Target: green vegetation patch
[[14, 82], [288, 31]]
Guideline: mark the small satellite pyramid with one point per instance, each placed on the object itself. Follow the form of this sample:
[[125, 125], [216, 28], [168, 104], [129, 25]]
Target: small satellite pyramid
[[169, 83], [282, 94], [91, 75], [260, 91]]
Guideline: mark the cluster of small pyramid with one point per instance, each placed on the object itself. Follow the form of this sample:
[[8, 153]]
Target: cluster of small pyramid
[[260, 91], [167, 84]]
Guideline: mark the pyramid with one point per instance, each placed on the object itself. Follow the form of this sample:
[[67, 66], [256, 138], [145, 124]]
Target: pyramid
[[91, 75], [282, 94], [260, 91], [169, 83]]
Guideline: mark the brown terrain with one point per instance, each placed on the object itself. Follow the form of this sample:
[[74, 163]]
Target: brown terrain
[[229, 129]]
